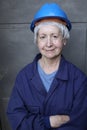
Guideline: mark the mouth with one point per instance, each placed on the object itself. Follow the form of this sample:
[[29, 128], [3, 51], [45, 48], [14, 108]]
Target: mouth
[[50, 49]]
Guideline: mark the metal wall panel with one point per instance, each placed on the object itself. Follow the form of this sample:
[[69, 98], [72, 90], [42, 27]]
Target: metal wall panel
[[16, 41], [76, 49], [22, 11]]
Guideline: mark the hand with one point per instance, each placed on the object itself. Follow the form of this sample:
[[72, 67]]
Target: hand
[[58, 120]]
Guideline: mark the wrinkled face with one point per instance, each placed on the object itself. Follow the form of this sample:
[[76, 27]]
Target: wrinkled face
[[50, 41]]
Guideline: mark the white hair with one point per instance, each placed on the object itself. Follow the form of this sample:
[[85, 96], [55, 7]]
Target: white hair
[[63, 29]]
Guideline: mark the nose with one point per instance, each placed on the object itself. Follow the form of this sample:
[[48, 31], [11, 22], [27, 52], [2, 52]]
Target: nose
[[49, 42]]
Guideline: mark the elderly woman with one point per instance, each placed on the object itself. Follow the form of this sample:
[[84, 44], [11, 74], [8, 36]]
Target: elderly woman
[[50, 93]]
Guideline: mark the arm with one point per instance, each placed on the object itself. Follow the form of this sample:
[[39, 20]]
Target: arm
[[19, 116], [78, 114]]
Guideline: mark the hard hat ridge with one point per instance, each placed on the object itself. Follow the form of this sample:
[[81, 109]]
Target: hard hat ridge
[[50, 10]]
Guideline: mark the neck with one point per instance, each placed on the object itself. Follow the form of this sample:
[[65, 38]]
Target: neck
[[49, 65]]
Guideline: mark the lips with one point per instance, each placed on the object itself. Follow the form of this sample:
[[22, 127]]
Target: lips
[[49, 49]]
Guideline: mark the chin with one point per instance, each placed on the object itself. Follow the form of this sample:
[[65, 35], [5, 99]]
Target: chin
[[51, 56]]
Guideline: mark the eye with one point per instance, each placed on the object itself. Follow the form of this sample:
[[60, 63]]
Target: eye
[[55, 36], [42, 37]]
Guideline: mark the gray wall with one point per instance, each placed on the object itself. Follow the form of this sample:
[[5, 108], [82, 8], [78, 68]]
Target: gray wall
[[16, 41]]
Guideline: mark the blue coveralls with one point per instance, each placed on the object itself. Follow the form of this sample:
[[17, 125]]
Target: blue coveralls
[[30, 104]]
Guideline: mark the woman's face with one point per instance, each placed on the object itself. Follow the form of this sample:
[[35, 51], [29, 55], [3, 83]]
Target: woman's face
[[50, 41]]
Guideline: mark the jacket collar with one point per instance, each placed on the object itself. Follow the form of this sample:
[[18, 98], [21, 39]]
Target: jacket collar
[[62, 72], [35, 79], [63, 69]]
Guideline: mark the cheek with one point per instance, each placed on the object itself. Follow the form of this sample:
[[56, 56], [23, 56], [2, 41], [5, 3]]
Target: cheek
[[40, 46], [59, 44]]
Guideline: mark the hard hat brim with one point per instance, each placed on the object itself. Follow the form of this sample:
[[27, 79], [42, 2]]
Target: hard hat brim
[[68, 23]]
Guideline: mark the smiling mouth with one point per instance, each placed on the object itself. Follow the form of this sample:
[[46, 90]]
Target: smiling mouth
[[50, 50]]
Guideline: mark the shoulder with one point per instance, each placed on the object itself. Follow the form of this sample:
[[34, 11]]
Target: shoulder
[[75, 73], [71, 70], [30, 68], [25, 71], [77, 77], [76, 70]]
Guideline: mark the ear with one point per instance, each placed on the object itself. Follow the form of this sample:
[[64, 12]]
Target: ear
[[64, 42]]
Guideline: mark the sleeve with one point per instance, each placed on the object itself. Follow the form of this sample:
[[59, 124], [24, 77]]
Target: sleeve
[[78, 114], [19, 117]]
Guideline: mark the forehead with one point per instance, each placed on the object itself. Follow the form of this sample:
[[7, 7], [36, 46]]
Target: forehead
[[48, 29]]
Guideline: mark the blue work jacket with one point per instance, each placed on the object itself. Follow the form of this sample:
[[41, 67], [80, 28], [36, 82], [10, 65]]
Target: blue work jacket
[[30, 105]]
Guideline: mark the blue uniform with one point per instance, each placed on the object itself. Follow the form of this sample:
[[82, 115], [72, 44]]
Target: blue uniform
[[30, 104]]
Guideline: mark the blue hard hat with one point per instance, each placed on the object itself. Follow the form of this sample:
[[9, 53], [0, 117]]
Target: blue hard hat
[[50, 10]]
